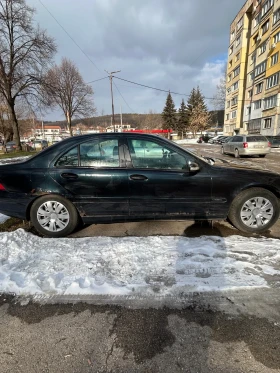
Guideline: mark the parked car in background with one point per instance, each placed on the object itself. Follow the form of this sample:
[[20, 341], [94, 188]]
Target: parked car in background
[[274, 141], [223, 139], [214, 140], [39, 144], [247, 145], [130, 177], [10, 146]]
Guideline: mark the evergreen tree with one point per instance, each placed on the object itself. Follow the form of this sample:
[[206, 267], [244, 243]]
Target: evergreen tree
[[197, 111], [169, 114], [183, 119]]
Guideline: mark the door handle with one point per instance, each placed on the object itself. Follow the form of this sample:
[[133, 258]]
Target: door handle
[[69, 175], [138, 177]]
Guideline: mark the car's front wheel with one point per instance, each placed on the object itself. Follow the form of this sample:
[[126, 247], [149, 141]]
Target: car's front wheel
[[254, 210], [54, 216]]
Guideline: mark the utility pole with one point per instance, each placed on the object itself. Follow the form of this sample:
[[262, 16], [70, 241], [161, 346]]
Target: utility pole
[[121, 118], [112, 97]]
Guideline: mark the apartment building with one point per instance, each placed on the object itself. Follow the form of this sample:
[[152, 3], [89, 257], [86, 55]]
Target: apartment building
[[253, 72]]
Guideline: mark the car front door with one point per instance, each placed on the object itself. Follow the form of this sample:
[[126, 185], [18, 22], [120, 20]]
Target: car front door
[[94, 173], [161, 183]]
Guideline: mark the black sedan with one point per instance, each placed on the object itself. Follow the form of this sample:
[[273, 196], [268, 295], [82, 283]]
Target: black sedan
[[129, 177]]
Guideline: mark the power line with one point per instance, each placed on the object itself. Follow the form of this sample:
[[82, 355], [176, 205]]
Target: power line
[[97, 80], [77, 45], [123, 98], [146, 86]]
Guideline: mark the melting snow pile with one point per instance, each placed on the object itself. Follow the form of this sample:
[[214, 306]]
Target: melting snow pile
[[135, 265]]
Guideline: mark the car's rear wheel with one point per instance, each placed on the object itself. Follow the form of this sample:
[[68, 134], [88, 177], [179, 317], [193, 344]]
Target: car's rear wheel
[[254, 210], [54, 216], [236, 153]]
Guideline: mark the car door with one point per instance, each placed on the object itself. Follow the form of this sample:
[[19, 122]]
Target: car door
[[231, 145], [94, 173], [160, 181]]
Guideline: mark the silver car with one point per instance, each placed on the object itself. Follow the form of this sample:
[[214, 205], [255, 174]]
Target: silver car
[[241, 145]]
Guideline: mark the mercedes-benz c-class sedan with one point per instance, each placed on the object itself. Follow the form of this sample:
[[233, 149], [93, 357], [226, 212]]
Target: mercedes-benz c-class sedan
[[129, 177]]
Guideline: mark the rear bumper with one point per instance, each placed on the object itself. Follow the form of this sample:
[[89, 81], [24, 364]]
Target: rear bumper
[[15, 204], [247, 151]]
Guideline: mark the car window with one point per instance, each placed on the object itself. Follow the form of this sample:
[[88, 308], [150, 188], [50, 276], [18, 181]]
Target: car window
[[238, 139], [100, 153], [70, 158], [150, 154], [256, 139]]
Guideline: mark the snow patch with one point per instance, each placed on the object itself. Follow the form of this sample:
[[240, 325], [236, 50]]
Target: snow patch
[[3, 218], [134, 265]]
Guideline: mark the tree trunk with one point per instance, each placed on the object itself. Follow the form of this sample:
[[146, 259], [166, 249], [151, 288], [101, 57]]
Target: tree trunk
[[13, 118], [69, 122]]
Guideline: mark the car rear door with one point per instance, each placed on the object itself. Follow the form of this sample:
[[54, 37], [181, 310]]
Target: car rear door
[[160, 183], [94, 173]]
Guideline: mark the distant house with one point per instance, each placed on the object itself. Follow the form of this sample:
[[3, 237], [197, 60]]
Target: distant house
[[49, 132]]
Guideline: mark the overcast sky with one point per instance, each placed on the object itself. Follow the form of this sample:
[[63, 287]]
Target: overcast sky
[[170, 44]]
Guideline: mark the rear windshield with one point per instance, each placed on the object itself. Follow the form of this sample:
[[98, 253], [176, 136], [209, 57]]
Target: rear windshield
[[256, 139]]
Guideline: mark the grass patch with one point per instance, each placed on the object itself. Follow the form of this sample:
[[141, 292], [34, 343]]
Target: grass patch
[[13, 224], [16, 154]]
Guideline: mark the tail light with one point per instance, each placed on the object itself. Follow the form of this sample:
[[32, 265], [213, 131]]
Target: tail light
[[245, 145], [2, 187], [269, 144]]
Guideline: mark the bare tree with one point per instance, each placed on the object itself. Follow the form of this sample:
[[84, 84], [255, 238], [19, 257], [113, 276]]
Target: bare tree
[[66, 88], [152, 120], [220, 95], [199, 119], [25, 52]]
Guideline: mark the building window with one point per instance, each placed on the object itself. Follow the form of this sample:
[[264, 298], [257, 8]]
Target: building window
[[237, 57], [259, 88], [234, 101], [255, 39], [236, 71], [248, 110], [232, 35], [270, 102], [233, 114], [265, 27], [229, 78], [257, 104], [235, 86], [276, 16], [276, 37], [239, 24], [272, 81], [238, 40], [267, 5], [230, 50], [227, 116], [253, 58], [260, 68], [250, 93], [274, 59], [257, 19], [230, 64], [251, 77], [228, 90], [228, 104], [267, 123], [262, 48]]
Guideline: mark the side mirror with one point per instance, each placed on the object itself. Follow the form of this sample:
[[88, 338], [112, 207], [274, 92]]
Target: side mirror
[[193, 167]]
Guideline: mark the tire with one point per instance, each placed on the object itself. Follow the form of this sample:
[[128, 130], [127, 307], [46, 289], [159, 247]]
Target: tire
[[236, 153], [262, 155], [55, 226], [248, 217]]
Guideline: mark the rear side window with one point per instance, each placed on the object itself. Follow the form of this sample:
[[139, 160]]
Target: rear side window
[[256, 139], [69, 158], [239, 139]]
